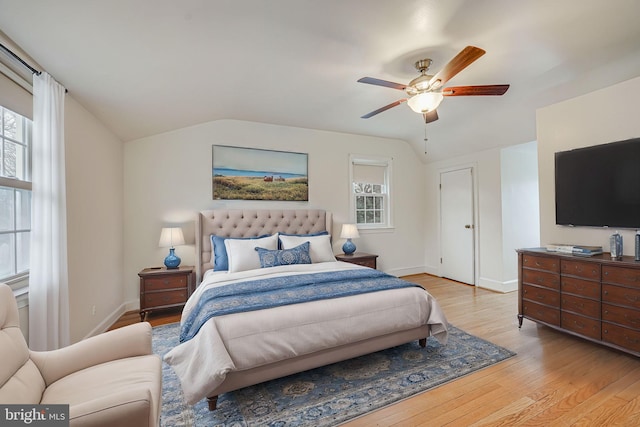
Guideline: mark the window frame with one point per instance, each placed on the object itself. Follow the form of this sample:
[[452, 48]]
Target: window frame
[[19, 279], [369, 160]]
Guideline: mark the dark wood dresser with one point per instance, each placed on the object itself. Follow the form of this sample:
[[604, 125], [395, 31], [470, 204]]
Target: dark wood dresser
[[595, 297]]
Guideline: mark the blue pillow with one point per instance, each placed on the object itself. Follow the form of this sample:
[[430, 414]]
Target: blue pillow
[[319, 233], [297, 255], [219, 258]]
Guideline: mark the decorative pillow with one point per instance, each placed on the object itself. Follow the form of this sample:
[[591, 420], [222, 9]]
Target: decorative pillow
[[319, 246], [242, 254], [219, 258], [297, 255]]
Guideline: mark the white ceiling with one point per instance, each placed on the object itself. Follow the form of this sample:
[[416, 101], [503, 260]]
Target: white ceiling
[[144, 67]]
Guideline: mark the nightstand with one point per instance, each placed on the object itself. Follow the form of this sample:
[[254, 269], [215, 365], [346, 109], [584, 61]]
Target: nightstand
[[162, 288], [359, 258]]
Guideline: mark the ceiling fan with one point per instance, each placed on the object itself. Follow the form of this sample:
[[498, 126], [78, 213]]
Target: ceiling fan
[[426, 92]]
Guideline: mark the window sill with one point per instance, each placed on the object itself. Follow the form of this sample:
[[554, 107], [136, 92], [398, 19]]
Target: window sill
[[374, 230]]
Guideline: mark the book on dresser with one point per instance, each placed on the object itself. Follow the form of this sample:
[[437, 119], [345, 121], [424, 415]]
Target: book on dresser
[[580, 250]]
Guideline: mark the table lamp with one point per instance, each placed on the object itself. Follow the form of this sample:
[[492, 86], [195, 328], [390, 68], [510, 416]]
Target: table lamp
[[349, 231], [169, 237]]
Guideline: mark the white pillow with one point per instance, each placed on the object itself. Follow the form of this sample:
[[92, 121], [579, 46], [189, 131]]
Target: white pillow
[[319, 248], [243, 255]]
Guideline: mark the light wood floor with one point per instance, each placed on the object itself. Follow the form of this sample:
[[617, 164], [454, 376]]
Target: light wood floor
[[554, 380]]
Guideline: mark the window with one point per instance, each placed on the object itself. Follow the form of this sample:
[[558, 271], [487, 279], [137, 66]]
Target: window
[[15, 194], [370, 191]]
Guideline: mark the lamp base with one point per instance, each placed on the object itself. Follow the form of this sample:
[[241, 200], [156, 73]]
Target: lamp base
[[348, 248], [172, 260]]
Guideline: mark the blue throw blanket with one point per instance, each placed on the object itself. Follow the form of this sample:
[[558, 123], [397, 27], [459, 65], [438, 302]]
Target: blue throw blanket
[[278, 291]]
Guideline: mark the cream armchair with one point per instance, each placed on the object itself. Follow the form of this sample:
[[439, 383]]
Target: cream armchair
[[112, 379]]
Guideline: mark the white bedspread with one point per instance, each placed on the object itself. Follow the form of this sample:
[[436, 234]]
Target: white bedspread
[[241, 341]]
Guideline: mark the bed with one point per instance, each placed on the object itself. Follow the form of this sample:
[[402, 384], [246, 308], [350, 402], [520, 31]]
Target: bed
[[224, 348]]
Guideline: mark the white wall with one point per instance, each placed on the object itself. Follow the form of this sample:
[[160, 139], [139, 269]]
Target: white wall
[[94, 169], [607, 115], [520, 206], [167, 180]]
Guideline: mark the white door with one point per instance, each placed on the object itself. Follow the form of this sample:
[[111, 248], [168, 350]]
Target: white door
[[456, 226]]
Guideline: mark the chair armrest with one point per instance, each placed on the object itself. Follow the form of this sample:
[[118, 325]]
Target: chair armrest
[[129, 341], [131, 408]]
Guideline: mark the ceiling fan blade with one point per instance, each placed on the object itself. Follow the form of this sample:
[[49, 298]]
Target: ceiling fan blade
[[431, 116], [461, 61], [385, 108], [475, 90], [385, 83]]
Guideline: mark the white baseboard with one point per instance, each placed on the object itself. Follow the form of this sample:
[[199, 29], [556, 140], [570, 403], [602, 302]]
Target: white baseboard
[[113, 317], [497, 286], [407, 271]]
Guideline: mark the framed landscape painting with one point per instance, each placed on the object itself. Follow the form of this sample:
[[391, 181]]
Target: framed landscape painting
[[254, 174]]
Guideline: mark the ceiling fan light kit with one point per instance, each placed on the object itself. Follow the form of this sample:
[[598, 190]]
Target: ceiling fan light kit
[[426, 101], [426, 92]]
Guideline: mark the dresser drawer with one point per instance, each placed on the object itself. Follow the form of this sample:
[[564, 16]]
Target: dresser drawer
[[541, 312], [541, 278], [541, 263], [622, 316], [624, 337], [583, 306], [619, 295], [159, 299], [587, 270], [623, 276], [581, 325], [584, 288], [165, 282], [541, 295]]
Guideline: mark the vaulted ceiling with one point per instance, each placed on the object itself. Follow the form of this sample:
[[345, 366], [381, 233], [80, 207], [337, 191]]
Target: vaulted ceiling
[[145, 67]]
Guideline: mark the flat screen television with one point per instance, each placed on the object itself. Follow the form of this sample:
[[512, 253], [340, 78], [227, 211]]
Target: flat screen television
[[599, 186]]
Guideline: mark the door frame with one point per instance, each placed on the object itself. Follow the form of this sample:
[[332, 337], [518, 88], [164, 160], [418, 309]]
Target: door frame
[[476, 218]]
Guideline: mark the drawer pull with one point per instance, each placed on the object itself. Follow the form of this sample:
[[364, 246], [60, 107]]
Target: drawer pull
[[578, 324], [606, 292], [631, 298], [166, 281], [631, 340], [631, 320]]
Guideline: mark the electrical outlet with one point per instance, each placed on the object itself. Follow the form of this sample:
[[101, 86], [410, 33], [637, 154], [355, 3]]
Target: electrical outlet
[[93, 310]]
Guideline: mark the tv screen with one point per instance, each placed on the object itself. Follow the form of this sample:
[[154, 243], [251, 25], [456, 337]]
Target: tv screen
[[599, 186]]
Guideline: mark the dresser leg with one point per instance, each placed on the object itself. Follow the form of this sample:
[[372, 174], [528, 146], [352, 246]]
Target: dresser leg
[[520, 318]]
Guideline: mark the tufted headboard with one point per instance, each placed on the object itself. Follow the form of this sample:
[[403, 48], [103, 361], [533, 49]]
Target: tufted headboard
[[251, 223]]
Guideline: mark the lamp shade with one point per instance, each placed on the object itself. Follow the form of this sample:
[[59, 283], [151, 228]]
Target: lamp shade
[[171, 236], [349, 231], [425, 102]]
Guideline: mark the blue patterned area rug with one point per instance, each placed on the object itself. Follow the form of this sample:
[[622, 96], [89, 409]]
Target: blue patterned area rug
[[332, 394]]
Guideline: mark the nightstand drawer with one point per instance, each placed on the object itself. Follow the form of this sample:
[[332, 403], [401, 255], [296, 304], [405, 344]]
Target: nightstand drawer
[[371, 263], [165, 282], [159, 299], [360, 258]]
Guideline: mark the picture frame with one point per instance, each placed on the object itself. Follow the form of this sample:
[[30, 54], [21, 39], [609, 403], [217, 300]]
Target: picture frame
[[241, 173]]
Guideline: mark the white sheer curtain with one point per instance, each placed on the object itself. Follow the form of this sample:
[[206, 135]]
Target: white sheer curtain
[[48, 276]]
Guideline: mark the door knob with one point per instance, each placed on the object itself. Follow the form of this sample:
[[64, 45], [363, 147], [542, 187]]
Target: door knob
[[467, 226]]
